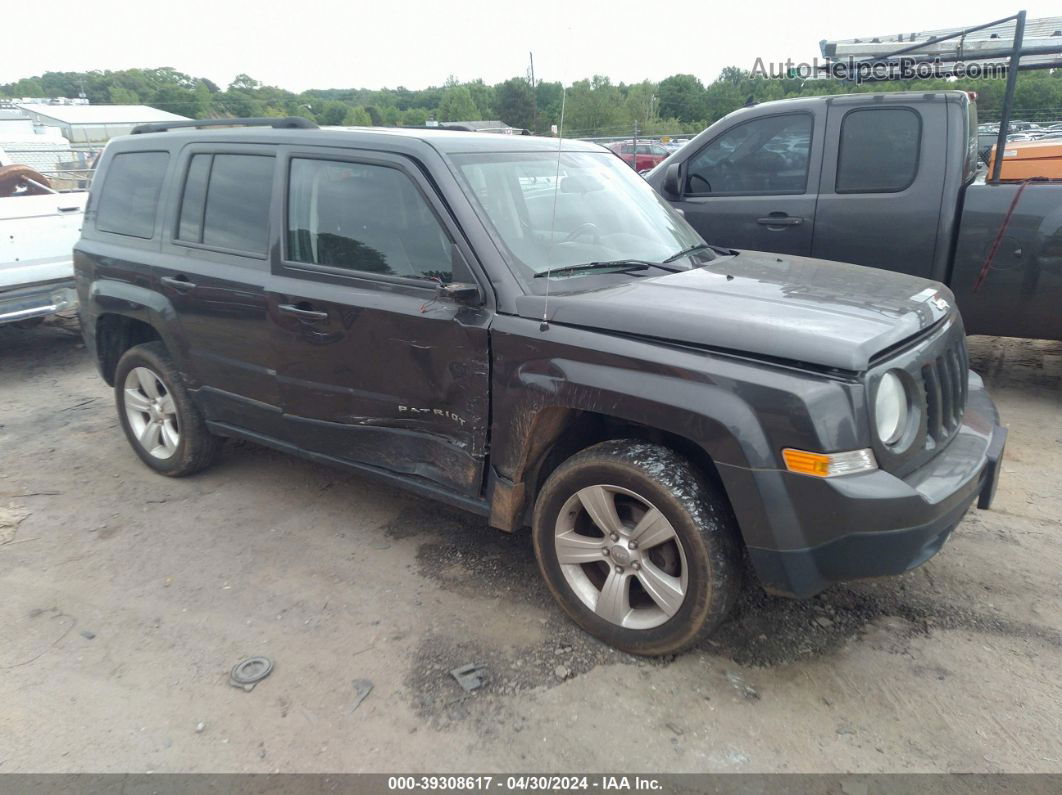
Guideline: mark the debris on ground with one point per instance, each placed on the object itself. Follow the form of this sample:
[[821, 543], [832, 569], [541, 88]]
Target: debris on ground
[[200, 727], [561, 672], [738, 683], [248, 673], [88, 634], [362, 688], [471, 676]]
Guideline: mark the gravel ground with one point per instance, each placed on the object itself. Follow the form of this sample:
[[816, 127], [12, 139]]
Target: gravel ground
[[127, 597]]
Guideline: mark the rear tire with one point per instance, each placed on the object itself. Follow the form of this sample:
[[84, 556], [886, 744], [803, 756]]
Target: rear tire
[[637, 547], [163, 426]]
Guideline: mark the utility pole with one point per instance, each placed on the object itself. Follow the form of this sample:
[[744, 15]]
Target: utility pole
[[534, 94], [634, 148]]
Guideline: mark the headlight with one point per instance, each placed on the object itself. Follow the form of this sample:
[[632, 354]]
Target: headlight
[[890, 408]]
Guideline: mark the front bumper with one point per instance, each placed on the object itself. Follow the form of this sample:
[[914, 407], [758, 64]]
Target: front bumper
[[877, 524], [37, 300]]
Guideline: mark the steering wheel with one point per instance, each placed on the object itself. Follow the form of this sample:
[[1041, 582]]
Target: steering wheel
[[582, 229], [707, 184]]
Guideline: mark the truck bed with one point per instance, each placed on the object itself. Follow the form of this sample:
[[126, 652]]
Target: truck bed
[[1021, 293]]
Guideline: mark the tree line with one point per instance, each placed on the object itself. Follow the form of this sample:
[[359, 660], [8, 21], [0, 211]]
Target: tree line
[[595, 106]]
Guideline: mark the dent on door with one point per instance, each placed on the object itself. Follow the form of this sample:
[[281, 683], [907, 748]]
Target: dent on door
[[405, 391]]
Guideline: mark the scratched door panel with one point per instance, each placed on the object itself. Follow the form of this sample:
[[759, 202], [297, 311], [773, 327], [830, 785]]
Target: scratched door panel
[[380, 382]]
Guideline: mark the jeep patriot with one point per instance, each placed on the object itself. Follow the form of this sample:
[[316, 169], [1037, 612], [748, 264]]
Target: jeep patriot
[[522, 328]]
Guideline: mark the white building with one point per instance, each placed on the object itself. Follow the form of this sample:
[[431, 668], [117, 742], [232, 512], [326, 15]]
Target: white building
[[91, 126], [42, 148]]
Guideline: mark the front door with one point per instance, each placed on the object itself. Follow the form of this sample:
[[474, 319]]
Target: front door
[[374, 368], [748, 187]]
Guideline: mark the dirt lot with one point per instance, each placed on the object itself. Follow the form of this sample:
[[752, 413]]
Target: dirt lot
[[125, 597]]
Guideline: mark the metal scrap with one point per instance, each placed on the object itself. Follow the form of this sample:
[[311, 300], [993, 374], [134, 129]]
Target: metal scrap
[[471, 676]]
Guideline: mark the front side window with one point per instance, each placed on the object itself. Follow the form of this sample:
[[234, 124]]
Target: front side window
[[362, 217], [226, 202], [768, 155], [555, 209], [878, 150], [130, 197]]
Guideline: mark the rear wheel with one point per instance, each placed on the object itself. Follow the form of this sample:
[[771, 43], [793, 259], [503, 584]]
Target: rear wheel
[[160, 421], [637, 547]]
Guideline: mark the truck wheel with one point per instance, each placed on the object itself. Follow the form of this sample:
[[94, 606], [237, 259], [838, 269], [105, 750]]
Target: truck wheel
[[162, 424], [638, 548]]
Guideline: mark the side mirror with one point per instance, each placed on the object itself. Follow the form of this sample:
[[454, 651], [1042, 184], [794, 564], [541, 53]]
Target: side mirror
[[461, 293], [463, 290], [672, 181]]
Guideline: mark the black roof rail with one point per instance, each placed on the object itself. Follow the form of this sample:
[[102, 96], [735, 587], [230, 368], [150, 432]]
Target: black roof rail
[[283, 123]]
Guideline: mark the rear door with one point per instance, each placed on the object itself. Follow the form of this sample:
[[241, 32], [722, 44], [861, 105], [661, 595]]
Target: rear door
[[753, 185], [374, 368], [213, 270], [882, 183]]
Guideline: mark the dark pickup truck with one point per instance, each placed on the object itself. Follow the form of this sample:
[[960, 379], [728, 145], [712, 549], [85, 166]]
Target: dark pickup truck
[[884, 180], [522, 328]]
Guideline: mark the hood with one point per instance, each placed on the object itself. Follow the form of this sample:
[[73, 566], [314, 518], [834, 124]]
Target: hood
[[807, 310]]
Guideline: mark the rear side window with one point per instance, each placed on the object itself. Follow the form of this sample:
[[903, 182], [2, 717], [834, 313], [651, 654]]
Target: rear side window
[[226, 202], [879, 150], [364, 217], [130, 197]]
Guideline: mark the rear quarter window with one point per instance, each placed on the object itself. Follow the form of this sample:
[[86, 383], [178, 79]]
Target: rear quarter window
[[129, 200], [226, 200], [879, 150]]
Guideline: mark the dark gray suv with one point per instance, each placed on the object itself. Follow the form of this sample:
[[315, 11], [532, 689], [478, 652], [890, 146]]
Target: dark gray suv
[[522, 328]]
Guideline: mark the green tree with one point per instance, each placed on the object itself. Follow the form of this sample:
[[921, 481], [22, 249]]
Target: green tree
[[594, 108], [514, 103], [357, 117], [457, 105], [332, 113], [682, 97]]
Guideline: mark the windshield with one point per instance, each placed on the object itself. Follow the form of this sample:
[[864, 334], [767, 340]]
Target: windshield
[[594, 208]]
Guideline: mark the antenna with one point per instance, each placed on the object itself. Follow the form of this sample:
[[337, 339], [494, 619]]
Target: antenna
[[544, 325]]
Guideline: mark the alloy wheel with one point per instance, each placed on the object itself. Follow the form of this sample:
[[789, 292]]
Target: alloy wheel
[[151, 412], [621, 556]]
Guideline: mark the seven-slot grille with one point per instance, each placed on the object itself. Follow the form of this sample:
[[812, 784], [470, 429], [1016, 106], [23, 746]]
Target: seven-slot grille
[[945, 383]]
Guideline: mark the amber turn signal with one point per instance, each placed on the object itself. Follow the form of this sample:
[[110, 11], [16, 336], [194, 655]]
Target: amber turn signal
[[827, 465]]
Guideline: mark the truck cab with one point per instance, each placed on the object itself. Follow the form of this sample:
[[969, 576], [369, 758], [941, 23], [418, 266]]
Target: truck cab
[[886, 181]]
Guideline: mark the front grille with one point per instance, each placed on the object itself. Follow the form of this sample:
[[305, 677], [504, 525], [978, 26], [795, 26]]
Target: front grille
[[945, 382]]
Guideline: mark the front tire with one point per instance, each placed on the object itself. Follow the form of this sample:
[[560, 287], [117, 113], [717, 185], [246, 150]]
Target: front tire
[[637, 547], [163, 426]]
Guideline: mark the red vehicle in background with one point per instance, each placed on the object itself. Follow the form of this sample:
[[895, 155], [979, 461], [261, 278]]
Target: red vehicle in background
[[649, 154]]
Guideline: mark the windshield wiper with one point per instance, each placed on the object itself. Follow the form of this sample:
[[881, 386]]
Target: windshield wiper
[[699, 247], [619, 265]]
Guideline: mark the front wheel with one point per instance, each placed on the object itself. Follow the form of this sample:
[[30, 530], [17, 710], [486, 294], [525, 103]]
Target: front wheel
[[637, 547], [160, 421]]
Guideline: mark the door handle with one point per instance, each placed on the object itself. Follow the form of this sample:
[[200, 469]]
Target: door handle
[[179, 283], [302, 314], [780, 220]]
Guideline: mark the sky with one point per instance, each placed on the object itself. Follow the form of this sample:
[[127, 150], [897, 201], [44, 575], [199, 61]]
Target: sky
[[413, 43]]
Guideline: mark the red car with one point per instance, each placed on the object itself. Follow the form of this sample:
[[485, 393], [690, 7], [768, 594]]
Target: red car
[[648, 156]]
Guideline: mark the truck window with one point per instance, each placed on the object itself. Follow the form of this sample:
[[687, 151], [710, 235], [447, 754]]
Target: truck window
[[130, 197], [226, 202], [768, 155], [363, 218], [878, 150]]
